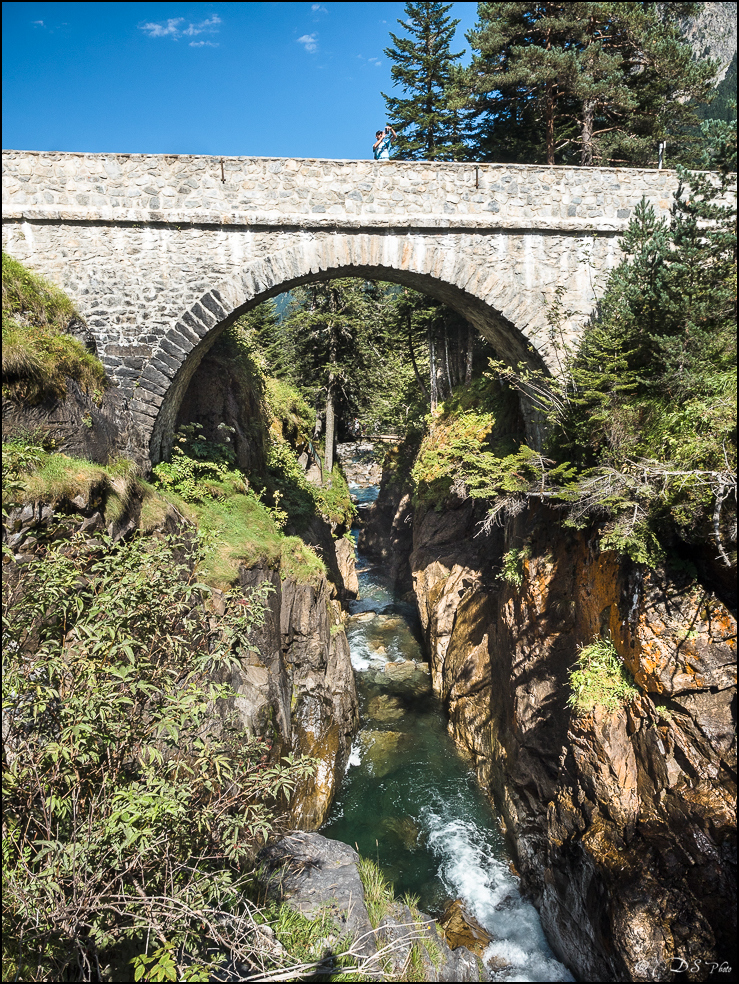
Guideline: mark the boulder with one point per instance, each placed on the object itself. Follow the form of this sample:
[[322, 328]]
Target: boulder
[[312, 874], [462, 929]]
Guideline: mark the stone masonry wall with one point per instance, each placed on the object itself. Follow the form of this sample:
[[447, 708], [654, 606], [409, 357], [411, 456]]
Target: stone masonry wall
[[161, 252]]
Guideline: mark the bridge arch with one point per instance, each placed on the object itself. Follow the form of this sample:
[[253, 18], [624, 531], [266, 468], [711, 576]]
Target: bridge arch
[[512, 322], [161, 252]]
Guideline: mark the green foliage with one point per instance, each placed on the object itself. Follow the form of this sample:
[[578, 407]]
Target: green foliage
[[298, 499], [129, 805], [600, 679], [238, 522], [512, 569], [295, 419], [38, 355], [379, 899], [334, 500], [469, 448], [584, 83], [428, 118], [651, 421], [199, 469], [367, 337], [723, 106], [643, 418], [33, 472]]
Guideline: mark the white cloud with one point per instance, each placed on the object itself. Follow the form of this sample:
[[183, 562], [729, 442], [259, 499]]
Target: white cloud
[[206, 26], [39, 23], [318, 8], [310, 42], [168, 29], [203, 44], [172, 28]]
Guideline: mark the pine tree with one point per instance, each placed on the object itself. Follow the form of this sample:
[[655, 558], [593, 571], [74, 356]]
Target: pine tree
[[428, 122], [322, 331], [592, 82], [522, 75], [637, 83]]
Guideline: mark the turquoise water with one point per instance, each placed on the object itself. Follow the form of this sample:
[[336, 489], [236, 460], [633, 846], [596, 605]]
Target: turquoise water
[[411, 802]]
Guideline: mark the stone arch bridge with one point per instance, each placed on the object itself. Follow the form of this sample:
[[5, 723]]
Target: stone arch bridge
[[161, 252]]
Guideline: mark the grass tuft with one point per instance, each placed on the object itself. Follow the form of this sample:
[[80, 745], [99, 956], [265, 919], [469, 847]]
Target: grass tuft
[[378, 891], [38, 355], [33, 473], [600, 679]]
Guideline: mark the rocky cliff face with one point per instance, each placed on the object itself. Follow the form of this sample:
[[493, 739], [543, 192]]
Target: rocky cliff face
[[623, 821], [387, 532], [81, 426], [218, 394], [712, 34], [299, 684]]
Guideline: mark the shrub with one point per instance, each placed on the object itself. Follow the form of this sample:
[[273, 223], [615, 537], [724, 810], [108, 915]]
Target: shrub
[[129, 805], [199, 469], [512, 569]]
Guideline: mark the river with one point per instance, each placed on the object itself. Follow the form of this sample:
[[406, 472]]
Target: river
[[410, 801]]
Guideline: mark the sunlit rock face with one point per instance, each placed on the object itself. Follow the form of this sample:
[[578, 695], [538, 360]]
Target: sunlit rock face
[[624, 820], [712, 34]]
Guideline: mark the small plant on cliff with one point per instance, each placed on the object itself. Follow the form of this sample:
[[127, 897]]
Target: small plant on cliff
[[199, 469], [512, 568], [130, 805], [600, 679], [38, 355]]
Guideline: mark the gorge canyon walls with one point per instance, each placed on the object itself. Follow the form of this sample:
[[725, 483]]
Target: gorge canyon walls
[[622, 821]]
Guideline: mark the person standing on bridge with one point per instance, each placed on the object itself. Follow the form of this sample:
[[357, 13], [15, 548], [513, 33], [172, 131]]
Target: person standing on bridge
[[383, 140]]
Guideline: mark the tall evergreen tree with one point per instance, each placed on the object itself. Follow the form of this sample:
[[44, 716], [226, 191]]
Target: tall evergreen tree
[[521, 74], [324, 331], [427, 118], [599, 82]]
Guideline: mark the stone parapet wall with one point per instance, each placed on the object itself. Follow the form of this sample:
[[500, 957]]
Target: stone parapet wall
[[161, 252], [170, 188]]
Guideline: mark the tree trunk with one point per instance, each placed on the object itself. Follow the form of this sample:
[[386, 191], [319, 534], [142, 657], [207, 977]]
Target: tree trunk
[[329, 456], [419, 377], [446, 358], [330, 394], [588, 119], [432, 372], [470, 353], [549, 115]]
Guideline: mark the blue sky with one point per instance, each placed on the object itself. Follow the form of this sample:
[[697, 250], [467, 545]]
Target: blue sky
[[269, 79]]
